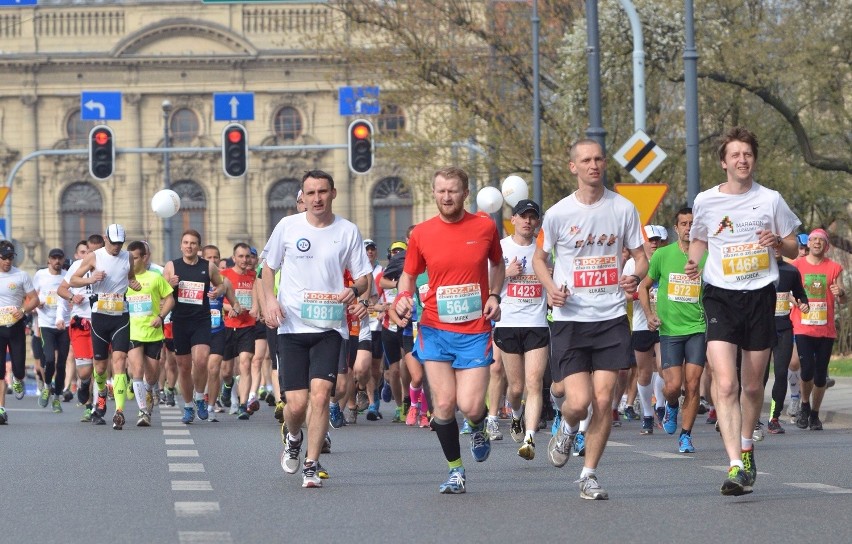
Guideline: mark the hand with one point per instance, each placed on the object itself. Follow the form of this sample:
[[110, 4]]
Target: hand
[[629, 284], [135, 285], [358, 310], [18, 314], [174, 280], [60, 324], [654, 322], [804, 307], [77, 299], [96, 276], [691, 270], [254, 312], [157, 322], [558, 298], [836, 290], [767, 238], [347, 296], [491, 309], [514, 268], [275, 314], [404, 306]]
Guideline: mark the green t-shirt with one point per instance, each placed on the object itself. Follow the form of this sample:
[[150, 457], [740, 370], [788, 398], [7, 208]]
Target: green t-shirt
[[144, 305], [678, 298]]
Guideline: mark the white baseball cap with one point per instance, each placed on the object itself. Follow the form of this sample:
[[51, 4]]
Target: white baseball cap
[[115, 233], [656, 231]]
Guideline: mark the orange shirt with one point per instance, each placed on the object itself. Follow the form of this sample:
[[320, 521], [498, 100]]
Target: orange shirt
[[243, 285]]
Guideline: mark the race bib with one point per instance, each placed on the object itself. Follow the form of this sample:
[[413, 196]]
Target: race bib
[[139, 305], [782, 304], [459, 303], [594, 275], [215, 318], [322, 310], [818, 314], [51, 299], [244, 298], [524, 289], [354, 326], [744, 261], [190, 292], [6, 316], [109, 304], [683, 289]]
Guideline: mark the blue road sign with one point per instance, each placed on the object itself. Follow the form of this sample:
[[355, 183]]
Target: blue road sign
[[359, 100], [2, 228], [233, 106], [18, 2], [100, 106]]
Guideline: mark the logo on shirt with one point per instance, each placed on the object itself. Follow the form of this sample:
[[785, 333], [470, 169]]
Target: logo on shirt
[[303, 244], [725, 223], [592, 239], [573, 230], [12, 286]]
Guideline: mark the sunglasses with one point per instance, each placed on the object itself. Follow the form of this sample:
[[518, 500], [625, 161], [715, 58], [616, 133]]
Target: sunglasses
[[7, 257]]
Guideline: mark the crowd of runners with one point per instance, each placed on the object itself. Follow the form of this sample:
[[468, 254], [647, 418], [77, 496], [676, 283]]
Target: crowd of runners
[[581, 315]]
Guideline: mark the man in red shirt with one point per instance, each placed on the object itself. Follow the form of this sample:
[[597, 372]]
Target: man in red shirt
[[454, 342]]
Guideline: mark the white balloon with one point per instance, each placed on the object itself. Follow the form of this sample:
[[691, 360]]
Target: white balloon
[[515, 189], [489, 199], [165, 203]]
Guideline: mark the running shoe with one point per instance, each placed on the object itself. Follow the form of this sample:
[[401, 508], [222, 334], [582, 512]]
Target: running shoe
[[616, 419], [18, 388], [97, 419], [397, 415], [242, 413], [527, 450], [261, 393], [188, 415], [373, 414], [170, 397], [424, 421], [218, 408], [454, 484], [279, 411], [670, 418], [87, 415], [100, 405], [326, 444], [412, 416], [795, 403], [579, 448], [829, 382], [253, 405], [335, 416], [559, 448], [4, 418], [557, 422], [647, 425], [711, 416], [290, 455], [493, 428], [351, 416], [738, 483], [110, 391], [466, 429], [67, 395], [322, 472], [144, 419], [118, 420], [591, 490], [757, 435], [661, 414], [201, 409], [270, 399], [803, 419], [480, 443], [387, 394], [685, 444], [149, 402], [750, 467], [630, 414], [814, 422], [362, 401], [774, 426], [310, 478], [225, 395], [703, 406], [57, 405], [44, 397], [517, 430]]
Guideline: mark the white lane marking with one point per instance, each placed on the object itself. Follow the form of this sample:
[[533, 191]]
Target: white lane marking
[[186, 467], [665, 455], [170, 416], [172, 424], [26, 409], [180, 442], [191, 485], [618, 444], [176, 432], [204, 537], [823, 488], [181, 453], [195, 508]]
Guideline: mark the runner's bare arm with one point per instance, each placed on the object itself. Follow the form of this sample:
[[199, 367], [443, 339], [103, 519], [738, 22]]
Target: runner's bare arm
[[88, 264], [557, 296], [697, 249], [274, 313]]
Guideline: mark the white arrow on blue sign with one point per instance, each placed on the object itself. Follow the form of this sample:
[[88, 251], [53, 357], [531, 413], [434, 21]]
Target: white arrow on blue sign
[[358, 100], [18, 2], [100, 106], [233, 106]]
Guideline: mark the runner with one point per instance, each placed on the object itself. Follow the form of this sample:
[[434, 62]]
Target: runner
[[313, 250], [111, 275], [816, 329], [54, 336], [739, 222], [454, 336], [522, 333], [218, 334], [590, 335]]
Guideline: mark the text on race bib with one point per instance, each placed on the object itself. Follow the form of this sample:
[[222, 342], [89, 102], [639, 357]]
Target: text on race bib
[[683, 289], [109, 304], [190, 292], [782, 304], [322, 310], [818, 314], [744, 261], [244, 298], [594, 275], [215, 318], [139, 304], [524, 288], [6, 316], [459, 303], [51, 299]]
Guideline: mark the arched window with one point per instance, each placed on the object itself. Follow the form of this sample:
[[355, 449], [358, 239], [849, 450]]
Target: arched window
[[77, 130], [183, 126], [193, 206], [282, 200], [392, 207], [81, 214], [391, 120], [288, 123]]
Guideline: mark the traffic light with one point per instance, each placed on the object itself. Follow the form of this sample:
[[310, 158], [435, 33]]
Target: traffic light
[[235, 150], [101, 152], [360, 146]]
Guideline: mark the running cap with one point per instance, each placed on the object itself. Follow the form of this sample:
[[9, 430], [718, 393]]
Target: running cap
[[56, 252], [7, 249], [819, 233], [115, 233], [656, 231], [525, 206], [802, 239], [298, 195], [398, 245], [253, 251], [368, 242]]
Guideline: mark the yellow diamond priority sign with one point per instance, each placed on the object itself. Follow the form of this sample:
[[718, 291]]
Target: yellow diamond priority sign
[[640, 156]]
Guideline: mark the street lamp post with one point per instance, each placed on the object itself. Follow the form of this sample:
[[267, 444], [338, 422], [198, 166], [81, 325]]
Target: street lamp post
[[536, 162], [167, 182]]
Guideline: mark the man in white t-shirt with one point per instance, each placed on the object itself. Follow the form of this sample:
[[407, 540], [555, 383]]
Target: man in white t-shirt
[[312, 249], [590, 335], [54, 335], [739, 223]]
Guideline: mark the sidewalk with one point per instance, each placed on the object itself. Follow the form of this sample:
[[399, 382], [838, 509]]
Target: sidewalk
[[836, 406]]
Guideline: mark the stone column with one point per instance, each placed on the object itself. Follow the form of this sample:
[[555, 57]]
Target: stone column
[[27, 215], [134, 191]]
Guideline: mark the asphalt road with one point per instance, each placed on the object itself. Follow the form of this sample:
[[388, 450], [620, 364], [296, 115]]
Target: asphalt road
[[66, 481]]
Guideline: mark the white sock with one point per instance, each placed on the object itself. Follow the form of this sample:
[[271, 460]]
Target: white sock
[[199, 396], [530, 435], [793, 378], [645, 393], [659, 382], [557, 401], [518, 413], [587, 472], [139, 391], [584, 425]]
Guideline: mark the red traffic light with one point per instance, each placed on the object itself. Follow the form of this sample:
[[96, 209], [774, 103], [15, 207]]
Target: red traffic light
[[235, 136], [101, 137], [360, 132]]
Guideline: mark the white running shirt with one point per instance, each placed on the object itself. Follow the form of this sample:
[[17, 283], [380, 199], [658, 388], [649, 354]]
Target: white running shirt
[[14, 286], [523, 300], [45, 285]]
